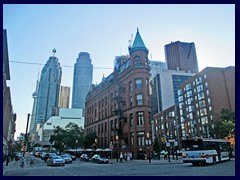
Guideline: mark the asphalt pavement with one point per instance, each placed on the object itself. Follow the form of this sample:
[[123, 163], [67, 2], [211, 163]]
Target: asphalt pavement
[[13, 165]]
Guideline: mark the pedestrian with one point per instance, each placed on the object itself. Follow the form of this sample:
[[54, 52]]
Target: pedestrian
[[130, 156], [165, 154], [32, 158], [22, 162], [125, 156], [121, 157]]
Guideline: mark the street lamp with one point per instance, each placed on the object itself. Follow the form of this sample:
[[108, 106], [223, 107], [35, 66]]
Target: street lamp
[[148, 143], [117, 147], [76, 146], [26, 140]]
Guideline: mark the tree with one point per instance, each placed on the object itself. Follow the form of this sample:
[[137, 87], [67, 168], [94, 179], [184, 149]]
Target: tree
[[74, 132], [224, 127], [157, 147], [58, 138], [67, 137], [89, 139]]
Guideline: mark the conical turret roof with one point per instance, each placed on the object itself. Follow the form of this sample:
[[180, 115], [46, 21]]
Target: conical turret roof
[[138, 44]]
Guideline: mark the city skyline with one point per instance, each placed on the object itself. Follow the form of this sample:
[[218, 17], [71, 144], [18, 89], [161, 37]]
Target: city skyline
[[105, 34]]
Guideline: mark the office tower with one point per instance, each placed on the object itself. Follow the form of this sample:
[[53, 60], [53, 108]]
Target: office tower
[[82, 80], [181, 56], [48, 91], [64, 97], [156, 67]]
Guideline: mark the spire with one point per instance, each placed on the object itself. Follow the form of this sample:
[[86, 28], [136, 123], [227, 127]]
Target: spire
[[138, 43], [54, 51]]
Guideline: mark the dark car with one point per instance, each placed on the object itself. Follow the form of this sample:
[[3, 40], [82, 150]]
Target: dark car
[[84, 157], [99, 159], [66, 158], [47, 155], [55, 161]]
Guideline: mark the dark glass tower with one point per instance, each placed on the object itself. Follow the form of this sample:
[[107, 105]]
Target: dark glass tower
[[48, 91]]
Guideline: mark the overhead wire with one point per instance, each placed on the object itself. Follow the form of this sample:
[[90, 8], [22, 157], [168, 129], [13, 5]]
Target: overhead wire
[[34, 63]]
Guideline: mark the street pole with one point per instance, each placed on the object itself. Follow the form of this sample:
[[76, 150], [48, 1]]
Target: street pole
[[26, 131]]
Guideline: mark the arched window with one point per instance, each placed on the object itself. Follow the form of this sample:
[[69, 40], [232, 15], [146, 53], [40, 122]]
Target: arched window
[[137, 61]]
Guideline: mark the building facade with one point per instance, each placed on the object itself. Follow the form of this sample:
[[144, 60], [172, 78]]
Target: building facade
[[118, 108], [82, 80], [9, 118], [156, 67], [64, 97], [181, 56], [61, 119], [202, 97], [164, 89], [48, 91]]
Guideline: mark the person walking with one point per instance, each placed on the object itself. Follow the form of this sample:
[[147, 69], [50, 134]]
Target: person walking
[[121, 157], [32, 158], [22, 162]]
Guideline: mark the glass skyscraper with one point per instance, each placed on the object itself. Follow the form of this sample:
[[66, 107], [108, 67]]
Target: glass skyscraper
[[82, 80], [48, 91]]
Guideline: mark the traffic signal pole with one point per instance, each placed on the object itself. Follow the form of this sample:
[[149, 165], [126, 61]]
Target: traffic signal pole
[[26, 132]]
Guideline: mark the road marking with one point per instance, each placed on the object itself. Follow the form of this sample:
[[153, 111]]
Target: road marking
[[68, 172]]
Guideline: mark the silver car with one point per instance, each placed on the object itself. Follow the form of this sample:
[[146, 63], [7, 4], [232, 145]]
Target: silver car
[[66, 158], [55, 161]]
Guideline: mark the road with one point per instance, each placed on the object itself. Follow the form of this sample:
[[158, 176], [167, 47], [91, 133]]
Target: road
[[134, 168]]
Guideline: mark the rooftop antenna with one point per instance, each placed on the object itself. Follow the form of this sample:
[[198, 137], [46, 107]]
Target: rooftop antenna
[[54, 51], [130, 42]]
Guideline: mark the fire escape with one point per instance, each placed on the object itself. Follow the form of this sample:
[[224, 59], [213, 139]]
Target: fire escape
[[119, 102]]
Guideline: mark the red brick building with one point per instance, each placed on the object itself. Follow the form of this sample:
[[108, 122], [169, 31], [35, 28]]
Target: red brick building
[[118, 108], [201, 99]]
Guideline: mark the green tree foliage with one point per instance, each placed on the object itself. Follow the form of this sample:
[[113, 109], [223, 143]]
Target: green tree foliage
[[89, 139], [223, 128], [157, 147], [67, 137], [227, 115]]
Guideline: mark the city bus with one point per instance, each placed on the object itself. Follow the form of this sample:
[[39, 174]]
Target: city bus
[[202, 151]]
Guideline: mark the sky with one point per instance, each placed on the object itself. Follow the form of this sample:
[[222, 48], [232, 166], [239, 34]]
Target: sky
[[34, 30]]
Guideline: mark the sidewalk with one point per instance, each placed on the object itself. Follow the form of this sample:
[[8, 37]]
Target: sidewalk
[[13, 165], [153, 161]]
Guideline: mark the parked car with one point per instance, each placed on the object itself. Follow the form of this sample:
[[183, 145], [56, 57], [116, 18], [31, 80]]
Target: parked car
[[66, 158], [55, 161], [72, 156], [45, 156], [99, 159], [84, 157]]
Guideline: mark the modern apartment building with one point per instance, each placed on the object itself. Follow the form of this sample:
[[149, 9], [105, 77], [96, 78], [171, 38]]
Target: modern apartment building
[[118, 109], [181, 56], [164, 88], [82, 80], [64, 97], [48, 91], [202, 97]]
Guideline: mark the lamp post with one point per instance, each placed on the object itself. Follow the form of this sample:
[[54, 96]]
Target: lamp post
[[62, 147], [148, 143], [76, 146], [26, 140], [117, 147]]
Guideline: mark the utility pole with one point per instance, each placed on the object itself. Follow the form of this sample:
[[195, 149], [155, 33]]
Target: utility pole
[[26, 132]]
